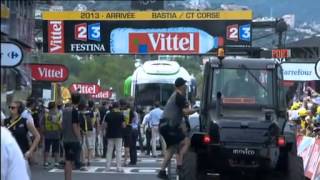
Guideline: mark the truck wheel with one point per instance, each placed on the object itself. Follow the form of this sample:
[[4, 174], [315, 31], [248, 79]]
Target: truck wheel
[[189, 168]]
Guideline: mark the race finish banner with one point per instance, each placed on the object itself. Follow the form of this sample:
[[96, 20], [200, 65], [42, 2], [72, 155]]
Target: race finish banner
[[145, 32]]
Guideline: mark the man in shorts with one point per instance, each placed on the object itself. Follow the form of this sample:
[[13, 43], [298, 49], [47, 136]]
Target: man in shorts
[[71, 135], [88, 137], [173, 127]]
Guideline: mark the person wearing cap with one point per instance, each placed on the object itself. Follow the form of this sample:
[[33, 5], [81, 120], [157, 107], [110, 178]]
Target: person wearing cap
[[173, 128]]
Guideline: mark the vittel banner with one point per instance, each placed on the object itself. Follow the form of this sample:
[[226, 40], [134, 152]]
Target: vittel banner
[[104, 94], [49, 72], [55, 37], [146, 32], [85, 88]]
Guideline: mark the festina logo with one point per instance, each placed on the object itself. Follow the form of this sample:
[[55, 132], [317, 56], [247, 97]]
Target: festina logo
[[56, 37], [173, 43], [87, 48], [245, 151], [50, 73]]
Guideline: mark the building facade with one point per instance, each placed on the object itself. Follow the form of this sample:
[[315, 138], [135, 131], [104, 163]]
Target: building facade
[[17, 26]]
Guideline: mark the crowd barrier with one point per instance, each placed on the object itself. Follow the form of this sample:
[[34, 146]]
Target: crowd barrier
[[309, 150]]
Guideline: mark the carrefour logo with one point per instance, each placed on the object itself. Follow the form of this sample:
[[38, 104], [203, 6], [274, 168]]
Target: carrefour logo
[[318, 69]]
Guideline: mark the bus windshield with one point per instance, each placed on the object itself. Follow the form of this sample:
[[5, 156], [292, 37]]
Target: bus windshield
[[243, 86], [147, 94]]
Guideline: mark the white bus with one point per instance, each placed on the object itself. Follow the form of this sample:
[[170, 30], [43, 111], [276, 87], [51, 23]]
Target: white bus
[[154, 81]]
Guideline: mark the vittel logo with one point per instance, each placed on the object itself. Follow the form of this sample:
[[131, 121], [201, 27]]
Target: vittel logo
[[245, 151], [55, 37], [48, 72], [85, 88], [103, 95], [164, 42]]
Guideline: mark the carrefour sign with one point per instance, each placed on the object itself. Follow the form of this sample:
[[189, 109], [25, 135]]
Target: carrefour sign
[[301, 71], [146, 32]]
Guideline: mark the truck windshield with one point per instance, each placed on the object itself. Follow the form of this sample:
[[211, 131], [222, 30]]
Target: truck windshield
[[147, 94], [243, 86]]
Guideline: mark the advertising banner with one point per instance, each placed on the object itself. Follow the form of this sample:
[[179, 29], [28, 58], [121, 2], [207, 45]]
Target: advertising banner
[[104, 94], [314, 160], [11, 54], [301, 71], [305, 149], [49, 72], [316, 175], [145, 32], [85, 88]]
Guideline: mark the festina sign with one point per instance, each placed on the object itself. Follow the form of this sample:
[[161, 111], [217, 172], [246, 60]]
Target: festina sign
[[87, 48], [172, 43], [102, 95], [85, 88], [49, 72]]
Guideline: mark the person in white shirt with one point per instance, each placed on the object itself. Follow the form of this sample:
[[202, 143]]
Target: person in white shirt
[[154, 121], [13, 164], [3, 117], [146, 130]]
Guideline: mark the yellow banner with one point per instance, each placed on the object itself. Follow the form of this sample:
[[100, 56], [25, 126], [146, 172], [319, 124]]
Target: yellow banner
[[146, 15], [5, 11]]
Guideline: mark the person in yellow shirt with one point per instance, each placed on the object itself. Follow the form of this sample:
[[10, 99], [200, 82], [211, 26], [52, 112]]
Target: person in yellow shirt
[[125, 109], [52, 132], [303, 114]]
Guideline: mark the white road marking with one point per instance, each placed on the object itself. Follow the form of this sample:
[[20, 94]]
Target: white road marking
[[126, 170]]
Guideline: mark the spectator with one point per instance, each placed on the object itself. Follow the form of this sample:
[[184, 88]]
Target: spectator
[[52, 132], [316, 129], [103, 131], [114, 123], [95, 114], [71, 135], [3, 117], [140, 137], [303, 114], [20, 126], [154, 119], [125, 109], [31, 113], [134, 123], [148, 134], [88, 138], [13, 164]]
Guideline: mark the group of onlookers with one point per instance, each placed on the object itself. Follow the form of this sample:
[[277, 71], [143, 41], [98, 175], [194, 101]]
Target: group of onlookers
[[304, 112]]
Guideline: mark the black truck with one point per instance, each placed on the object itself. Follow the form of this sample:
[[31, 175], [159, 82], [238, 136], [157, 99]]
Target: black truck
[[243, 124]]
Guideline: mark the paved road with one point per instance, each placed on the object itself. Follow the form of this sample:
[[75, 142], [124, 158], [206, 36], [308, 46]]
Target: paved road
[[146, 169]]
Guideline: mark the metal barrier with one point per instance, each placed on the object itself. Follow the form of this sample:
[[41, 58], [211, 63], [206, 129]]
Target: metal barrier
[[309, 150]]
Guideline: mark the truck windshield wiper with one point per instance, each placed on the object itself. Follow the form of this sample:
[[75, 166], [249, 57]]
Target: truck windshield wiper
[[254, 77]]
